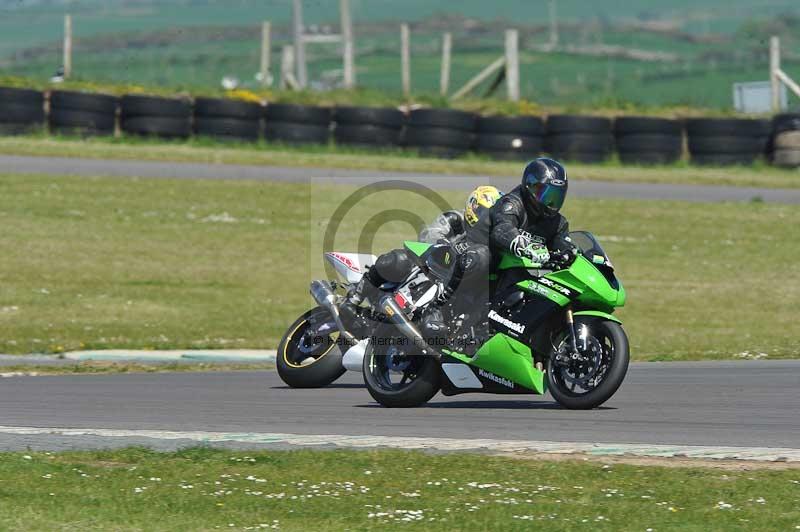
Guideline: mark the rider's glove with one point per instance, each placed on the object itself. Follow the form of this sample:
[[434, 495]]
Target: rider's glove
[[522, 246], [538, 254]]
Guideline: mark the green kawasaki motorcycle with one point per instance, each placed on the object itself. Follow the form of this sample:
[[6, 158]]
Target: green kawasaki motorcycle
[[548, 328]]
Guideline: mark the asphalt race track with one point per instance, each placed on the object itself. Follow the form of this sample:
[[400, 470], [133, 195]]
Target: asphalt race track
[[578, 188], [739, 404], [747, 403]]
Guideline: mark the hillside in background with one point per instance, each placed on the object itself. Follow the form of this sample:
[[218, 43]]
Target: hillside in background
[[693, 50]]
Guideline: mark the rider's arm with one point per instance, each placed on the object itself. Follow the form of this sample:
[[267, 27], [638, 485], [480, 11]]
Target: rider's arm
[[442, 228], [560, 242], [506, 220]]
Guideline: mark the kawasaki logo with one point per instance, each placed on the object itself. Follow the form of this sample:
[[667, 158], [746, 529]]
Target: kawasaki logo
[[514, 326], [496, 378]]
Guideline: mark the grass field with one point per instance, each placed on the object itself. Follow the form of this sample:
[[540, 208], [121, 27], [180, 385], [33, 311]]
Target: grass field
[[206, 489], [137, 263], [164, 44], [105, 367], [207, 151]]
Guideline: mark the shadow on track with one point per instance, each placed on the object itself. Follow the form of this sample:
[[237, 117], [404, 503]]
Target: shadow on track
[[342, 385], [491, 405]]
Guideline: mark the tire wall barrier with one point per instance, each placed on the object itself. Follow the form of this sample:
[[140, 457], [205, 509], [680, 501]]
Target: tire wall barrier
[[225, 119], [21, 111], [443, 133], [725, 141], [156, 116], [585, 139], [297, 124], [512, 138], [368, 126], [786, 140], [82, 113], [644, 140]]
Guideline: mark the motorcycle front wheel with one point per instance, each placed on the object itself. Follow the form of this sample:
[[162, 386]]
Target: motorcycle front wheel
[[309, 355], [396, 373], [591, 379]]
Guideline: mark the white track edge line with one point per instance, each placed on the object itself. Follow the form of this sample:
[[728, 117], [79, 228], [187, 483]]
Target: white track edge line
[[761, 454]]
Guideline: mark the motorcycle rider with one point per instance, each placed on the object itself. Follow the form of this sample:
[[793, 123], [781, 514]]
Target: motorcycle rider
[[395, 266], [526, 222]]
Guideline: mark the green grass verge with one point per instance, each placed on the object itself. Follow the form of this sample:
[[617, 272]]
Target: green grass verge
[[340, 157], [94, 263], [207, 489], [102, 368]]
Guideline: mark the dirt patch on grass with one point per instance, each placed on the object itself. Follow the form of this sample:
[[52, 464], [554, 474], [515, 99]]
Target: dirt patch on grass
[[648, 461]]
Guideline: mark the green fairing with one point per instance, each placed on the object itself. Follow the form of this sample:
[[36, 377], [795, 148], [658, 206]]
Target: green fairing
[[621, 295], [417, 248], [506, 357], [598, 314], [582, 274], [508, 261], [536, 288]]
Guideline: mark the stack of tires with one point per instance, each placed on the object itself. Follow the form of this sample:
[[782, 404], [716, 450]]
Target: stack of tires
[[786, 141], [297, 124], [441, 133], [225, 119], [727, 141], [585, 139], [78, 113], [643, 140], [510, 138], [368, 126], [21, 110], [156, 116]]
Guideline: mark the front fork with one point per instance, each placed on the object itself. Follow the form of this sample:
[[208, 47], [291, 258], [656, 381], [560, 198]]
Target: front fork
[[577, 341]]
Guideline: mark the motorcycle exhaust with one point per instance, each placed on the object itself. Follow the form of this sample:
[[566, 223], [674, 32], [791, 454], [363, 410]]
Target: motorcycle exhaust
[[396, 315], [322, 293]]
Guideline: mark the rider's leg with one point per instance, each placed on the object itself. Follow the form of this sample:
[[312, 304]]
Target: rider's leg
[[393, 267], [472, 293]]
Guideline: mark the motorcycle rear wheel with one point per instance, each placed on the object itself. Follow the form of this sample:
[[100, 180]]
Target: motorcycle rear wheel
[[307, 358], [396, 374], [610, 344]]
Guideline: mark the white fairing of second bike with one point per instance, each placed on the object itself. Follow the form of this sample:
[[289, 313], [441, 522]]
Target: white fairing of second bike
[[353, 357], [351, 266]]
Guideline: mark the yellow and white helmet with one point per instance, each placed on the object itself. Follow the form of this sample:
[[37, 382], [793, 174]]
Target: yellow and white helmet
[[480, 199]]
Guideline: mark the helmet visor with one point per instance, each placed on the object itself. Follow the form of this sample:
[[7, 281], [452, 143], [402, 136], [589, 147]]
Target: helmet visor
[[550, 196]]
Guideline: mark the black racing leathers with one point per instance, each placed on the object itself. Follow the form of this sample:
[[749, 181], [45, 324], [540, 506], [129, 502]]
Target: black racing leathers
[[510, 226], [395, 266]]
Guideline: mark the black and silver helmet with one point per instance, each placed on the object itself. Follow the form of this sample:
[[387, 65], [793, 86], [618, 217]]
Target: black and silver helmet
[[544, 186]]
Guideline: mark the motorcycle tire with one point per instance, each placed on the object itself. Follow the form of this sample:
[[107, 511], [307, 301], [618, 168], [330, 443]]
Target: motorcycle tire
[[612, 380], [419, 391], [295, 369]]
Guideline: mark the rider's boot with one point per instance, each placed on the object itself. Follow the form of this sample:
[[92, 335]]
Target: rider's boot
[[365, 289], [434, 329]]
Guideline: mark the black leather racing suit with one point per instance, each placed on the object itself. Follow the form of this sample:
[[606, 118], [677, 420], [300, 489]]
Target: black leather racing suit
[[395, 266], [512, 224]]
